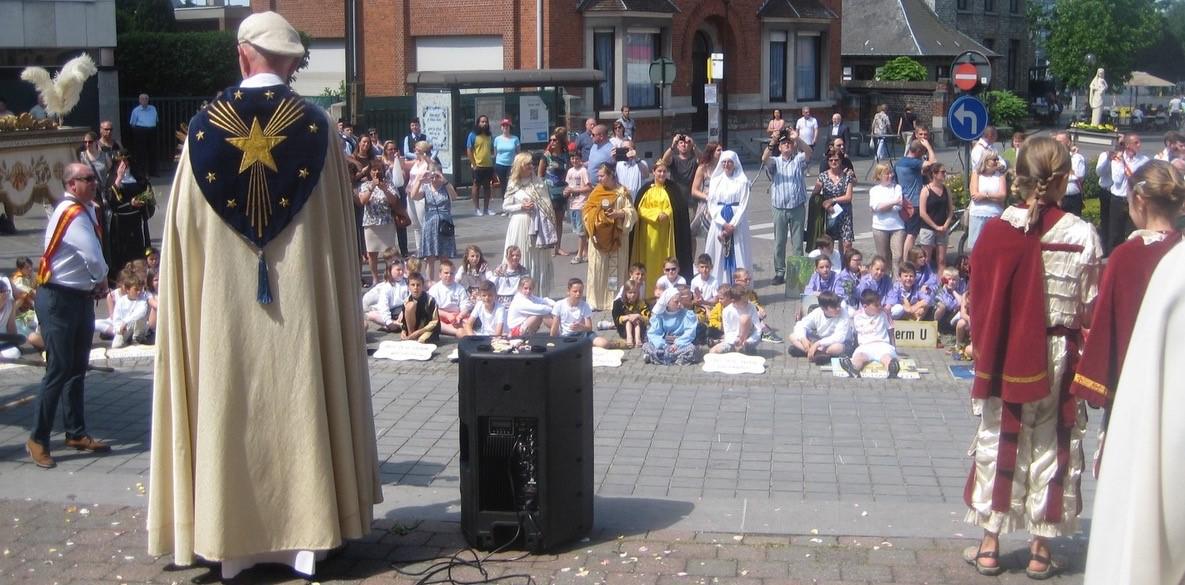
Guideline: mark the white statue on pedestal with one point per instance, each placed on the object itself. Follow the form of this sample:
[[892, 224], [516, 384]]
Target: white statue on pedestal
[[1098, 86]]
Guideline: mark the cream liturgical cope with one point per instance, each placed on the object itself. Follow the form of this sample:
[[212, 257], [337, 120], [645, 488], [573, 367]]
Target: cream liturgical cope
[[1137, 534], [262, 433]]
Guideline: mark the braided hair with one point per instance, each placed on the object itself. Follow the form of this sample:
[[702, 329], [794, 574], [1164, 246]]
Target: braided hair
[[1042, 170], [1160, 185]]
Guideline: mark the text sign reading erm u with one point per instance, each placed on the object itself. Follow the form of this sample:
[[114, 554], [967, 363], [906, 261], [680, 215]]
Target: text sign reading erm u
[[967, 117]]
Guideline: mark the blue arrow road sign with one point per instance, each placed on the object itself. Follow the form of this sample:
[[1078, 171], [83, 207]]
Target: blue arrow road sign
[[967, 117]]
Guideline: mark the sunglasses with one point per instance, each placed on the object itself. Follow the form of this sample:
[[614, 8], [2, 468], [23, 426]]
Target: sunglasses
[[87, 179], [670, 269]]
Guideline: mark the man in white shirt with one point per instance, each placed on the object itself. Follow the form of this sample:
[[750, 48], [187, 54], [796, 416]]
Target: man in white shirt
[[143, 121], [631, 173], [1072, 202], [808, 127], [74, 272], [824, 333], [983, 146], [1121, 165]]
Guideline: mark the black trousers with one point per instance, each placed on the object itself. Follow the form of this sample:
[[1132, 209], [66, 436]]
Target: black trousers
[[67, 320], [401, 232], [1119, 223], [1105, 220], [144, 149]]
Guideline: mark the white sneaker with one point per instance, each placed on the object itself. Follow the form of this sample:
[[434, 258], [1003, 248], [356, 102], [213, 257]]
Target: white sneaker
[[478, 212], [119, 341]]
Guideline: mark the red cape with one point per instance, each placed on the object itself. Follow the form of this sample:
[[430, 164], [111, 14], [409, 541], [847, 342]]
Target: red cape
[[1124, 282], [1008, 312]]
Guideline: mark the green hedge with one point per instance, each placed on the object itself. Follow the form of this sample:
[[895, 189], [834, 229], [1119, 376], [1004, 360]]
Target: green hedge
[[177, 64]]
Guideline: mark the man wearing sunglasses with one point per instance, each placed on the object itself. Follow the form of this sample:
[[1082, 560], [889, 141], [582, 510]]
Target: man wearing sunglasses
[[72, 274]]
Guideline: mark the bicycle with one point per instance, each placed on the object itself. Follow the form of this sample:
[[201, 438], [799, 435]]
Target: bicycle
[[960, 222]]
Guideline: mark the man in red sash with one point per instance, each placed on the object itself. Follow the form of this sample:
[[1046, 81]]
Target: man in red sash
[[72, 272]]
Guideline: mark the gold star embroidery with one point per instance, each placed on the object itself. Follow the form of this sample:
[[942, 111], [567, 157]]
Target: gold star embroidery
[[304, 173], [201, 134], [313, 128], [210, 177], [283, 202], [238, 95], [269, 94], [232, 204], [256, 147]]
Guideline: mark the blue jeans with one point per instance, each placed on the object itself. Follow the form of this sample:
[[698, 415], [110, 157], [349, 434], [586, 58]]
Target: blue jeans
[[790, 222], [67, 325], [973, 230]]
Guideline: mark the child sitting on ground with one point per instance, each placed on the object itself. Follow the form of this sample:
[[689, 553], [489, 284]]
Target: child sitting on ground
[[926, 277], [874, 338], [451, 298], [669, 277], [908, 298], [670, 338], [638, 277], [129, 318], [701, 314], [823, 279], [824, 333], [742, 324], [877, 279], [572, 315], [704, 285], [630, 314], [507, 275], [420, 321], [948, 299], [742, 277], [716, 314], [487, 317], [473, 269], [528, 312], [848, 279], [963, 327], [383, 303], [825, 246]]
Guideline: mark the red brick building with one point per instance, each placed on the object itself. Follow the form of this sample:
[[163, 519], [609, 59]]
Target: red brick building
[[778, 53]]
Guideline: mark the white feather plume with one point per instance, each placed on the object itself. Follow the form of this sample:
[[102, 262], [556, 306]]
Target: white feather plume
[[61, 93]]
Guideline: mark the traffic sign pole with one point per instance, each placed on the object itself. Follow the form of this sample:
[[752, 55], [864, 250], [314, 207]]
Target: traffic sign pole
[[970, 72], [662, 74]]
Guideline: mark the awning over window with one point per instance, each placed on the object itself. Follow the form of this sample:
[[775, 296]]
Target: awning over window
[[507, 78]]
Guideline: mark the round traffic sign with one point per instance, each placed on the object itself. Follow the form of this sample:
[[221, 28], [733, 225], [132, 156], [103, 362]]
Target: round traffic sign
[[983, 69], [966, 76]]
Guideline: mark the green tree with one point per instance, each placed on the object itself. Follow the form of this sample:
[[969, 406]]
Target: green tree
[[901, 69], [132, 16], [1005, 109], [1114, 31]]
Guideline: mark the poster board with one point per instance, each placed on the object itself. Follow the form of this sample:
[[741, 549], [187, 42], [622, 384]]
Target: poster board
[[532, 119], [435, 110], [493, 107], [917, 334]]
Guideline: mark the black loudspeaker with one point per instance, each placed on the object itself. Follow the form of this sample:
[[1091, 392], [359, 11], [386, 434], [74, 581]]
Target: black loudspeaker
[[526, 442]]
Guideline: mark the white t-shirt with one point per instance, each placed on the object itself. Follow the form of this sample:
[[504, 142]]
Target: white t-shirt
[[889, 220], [523, 307], [448, 297], [836, 258], [484, 320], [706, 287], [570, 314], [731, 319], [808, 129], [664, 283]]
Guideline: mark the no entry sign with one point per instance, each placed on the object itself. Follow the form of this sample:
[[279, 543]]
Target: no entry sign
[[966, 76]]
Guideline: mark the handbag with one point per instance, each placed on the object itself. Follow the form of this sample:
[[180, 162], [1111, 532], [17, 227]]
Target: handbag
[[446, 228], [907, 209]]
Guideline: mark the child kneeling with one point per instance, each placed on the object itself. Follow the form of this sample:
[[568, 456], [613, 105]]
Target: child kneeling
[[875, 341], [825, 331], [670, 338]]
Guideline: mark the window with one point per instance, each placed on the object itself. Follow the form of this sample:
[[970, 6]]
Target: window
[[989, 5], [1014, 6], [964, 5], [777, 66], [640, 49], [604, 57], [1013, 63], [806, 67], [942, 72]]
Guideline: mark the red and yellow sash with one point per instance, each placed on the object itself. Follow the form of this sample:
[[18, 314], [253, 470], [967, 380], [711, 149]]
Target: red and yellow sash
[[44, 270]]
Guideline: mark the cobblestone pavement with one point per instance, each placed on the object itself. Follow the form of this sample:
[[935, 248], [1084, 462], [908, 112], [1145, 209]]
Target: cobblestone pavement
[[71, 543], [793, 476]]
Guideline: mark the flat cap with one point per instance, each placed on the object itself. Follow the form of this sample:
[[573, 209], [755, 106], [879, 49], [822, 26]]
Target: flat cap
[[271, 32]]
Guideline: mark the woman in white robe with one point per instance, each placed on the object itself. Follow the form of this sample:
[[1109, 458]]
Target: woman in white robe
[[728, 202], [532, 224]]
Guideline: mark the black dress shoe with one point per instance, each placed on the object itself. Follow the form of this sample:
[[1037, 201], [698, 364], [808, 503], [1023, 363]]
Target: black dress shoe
[[778, 280], [849, 367], [894, 368]]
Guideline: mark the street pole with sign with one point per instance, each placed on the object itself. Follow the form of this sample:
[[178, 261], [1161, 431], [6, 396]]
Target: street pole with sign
[[970, 72], [662, 74], [713, 99]]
